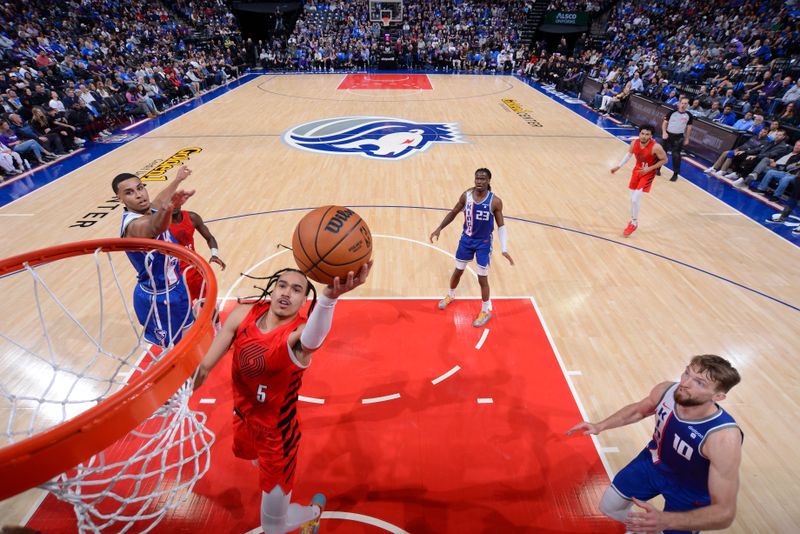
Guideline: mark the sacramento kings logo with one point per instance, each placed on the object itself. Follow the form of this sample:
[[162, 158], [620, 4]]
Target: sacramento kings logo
[[371, 137]]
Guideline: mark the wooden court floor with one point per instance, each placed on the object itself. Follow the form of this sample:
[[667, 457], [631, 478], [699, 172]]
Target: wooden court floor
[[624, 313]]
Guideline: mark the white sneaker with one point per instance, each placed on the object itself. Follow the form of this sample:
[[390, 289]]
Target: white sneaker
[[710, 170], [732, 176], [738, 183]]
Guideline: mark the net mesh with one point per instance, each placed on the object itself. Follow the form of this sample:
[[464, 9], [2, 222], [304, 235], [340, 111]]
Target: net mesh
[[76, 341]]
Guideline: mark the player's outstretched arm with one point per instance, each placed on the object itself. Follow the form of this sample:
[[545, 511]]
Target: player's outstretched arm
[[166, 196], [153, 224], [222, 342], [724, 449], [459, 207], [628, 155], [200, 226], [631, 413]]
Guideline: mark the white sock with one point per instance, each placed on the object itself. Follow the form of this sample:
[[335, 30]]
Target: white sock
[[486, 305], [451, 293]]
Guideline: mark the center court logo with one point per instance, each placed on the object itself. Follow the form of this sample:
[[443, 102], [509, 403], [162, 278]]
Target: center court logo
[[379, 138]]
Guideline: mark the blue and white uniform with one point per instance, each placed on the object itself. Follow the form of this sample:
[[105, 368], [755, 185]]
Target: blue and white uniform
[[673, 464], [476, 238], [160, 299]]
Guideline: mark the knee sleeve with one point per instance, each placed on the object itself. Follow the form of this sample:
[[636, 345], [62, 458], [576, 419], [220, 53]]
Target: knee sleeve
[[461, 265], [615, 505], [482, 271]]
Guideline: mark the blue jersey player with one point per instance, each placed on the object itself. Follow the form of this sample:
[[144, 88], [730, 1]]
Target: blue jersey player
[[481, 209], [160, 299], [692, 461]]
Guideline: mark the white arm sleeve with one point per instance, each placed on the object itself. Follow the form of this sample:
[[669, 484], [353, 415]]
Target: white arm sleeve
[[318, 324], [625, 159], [501, 231]]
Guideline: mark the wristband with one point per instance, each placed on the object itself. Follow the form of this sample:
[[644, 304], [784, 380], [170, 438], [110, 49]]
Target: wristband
[[503, 238]]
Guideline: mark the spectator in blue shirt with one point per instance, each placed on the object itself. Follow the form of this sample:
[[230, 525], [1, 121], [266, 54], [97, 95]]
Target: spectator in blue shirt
[[765, 52], [728, 117], [744, 123], [637, 85]]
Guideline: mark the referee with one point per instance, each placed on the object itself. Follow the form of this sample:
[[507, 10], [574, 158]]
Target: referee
[[675, 130]]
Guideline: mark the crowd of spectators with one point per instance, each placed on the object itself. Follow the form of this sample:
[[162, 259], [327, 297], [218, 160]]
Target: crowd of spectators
[[735, 61], [575, 5], [434, 34], [729, 58], [70, 71]]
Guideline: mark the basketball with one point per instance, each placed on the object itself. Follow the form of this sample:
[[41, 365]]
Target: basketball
[[331, 241]]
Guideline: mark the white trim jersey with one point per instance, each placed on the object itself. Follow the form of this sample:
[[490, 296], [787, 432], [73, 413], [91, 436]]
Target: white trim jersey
[[677, 445], [155, 271], [478, 217]]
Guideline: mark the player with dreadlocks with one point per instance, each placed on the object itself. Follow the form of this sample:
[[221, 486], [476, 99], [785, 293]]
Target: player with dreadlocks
[[272, 346]]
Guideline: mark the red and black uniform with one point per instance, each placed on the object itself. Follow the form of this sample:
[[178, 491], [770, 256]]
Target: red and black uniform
[[266, 381], [183, 232], [644, 158]]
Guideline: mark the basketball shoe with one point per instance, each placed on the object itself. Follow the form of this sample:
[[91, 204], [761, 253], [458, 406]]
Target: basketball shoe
[[482, 318], [629, 229], [312, 527], [445, 301]]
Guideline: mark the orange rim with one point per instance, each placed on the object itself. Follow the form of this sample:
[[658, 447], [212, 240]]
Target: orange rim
[[41, 457]]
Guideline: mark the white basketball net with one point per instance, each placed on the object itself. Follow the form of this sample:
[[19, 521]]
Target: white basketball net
[[75, 342]]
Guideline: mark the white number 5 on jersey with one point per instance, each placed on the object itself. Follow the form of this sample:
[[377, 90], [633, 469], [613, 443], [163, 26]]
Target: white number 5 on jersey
[[261, 395]]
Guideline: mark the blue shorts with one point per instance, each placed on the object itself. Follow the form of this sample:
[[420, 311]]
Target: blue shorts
[[641, 479], [171, 313], [480, 249]]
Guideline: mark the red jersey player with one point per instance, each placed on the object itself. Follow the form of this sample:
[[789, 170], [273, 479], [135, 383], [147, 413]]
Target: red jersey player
[[649, 158], [272, 346], [182, 228]]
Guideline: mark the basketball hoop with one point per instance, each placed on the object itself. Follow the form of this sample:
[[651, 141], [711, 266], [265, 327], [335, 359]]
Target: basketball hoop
[[56, 436]]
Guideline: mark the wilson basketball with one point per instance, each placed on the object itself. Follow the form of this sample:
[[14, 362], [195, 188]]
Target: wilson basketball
[[331, 241]]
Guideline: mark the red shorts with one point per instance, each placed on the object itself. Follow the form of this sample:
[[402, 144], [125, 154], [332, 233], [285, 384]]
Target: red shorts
[[194, 282], [642, 181], [276, 460]]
